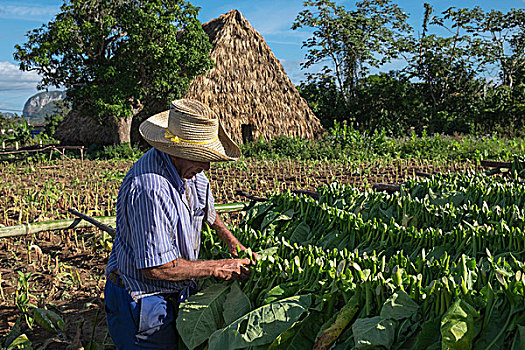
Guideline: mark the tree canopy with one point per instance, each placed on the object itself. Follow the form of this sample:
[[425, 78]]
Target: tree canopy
[[463, 70], [114, 57]]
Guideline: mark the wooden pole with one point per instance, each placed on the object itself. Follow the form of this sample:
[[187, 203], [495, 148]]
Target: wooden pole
[[94, 222], [390, 188], [25, 229], [36, 227], [496, 164]]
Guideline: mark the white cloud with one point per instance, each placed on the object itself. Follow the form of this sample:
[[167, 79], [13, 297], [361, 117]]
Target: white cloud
[[16, 86], [34, 12], [12, 78]]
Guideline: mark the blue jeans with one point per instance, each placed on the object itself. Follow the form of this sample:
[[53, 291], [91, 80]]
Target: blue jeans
[[146, 324]]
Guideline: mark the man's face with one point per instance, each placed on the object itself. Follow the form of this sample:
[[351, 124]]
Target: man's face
[[187, 169]]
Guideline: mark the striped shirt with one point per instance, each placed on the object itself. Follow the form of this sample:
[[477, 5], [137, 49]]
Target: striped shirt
[[159, 219]]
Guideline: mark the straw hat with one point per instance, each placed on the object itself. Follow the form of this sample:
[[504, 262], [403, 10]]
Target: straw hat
[[190, 130]]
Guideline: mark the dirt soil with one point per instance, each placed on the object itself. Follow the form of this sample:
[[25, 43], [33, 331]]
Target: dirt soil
[[66, 276]]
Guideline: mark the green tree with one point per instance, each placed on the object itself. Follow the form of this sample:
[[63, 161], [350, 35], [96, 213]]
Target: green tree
[[390, 102], [501, 46], [116, 57], [352, 41], [501, 38], [325, 99], [447, 70]]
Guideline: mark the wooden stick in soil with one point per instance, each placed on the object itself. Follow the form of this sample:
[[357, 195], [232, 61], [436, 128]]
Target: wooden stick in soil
[[250, 196], [390, 188], [94, 222], [495, 164], [423, 174]]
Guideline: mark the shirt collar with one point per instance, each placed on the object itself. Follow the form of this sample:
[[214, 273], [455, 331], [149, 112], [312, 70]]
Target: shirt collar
[[173, 174]]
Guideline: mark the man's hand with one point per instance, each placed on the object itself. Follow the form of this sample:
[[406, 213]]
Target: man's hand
[[232, 269], [235, 247]]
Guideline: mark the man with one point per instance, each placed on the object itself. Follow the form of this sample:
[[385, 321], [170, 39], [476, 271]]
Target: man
[[161, 205]]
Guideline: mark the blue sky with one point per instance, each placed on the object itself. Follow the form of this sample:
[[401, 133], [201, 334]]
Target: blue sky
[[272, 18]]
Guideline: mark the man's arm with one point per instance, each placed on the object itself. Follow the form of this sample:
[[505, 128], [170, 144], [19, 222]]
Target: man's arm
[[226, 236], [180, 269]]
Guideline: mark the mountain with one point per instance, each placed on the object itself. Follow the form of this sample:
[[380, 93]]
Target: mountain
[[7, 115], [44, 103]]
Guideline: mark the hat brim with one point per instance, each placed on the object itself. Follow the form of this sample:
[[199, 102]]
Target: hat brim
[[153, 130]]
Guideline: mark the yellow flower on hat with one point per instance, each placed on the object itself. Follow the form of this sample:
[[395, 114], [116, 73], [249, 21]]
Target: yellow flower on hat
[[171, 137]]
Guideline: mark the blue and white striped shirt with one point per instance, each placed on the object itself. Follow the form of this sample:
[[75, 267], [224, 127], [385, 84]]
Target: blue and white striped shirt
[[155, 222]]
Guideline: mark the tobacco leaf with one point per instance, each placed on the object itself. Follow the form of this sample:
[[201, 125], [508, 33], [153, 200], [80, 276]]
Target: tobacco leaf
[[201, 315], [237, 304], [262, 325], [457, 326], [373, 332]]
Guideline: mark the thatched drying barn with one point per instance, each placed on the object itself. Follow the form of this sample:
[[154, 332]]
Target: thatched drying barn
[[78, 128], [248, 86]]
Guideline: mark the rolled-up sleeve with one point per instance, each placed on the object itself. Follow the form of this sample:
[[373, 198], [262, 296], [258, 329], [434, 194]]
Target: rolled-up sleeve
[[152, 225]]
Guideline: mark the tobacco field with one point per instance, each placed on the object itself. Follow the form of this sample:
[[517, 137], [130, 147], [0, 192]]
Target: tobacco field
[[395, 268], [439, 264]]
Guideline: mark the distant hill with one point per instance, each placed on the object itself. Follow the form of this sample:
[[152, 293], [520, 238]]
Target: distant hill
[[8, 114], [44, 103]]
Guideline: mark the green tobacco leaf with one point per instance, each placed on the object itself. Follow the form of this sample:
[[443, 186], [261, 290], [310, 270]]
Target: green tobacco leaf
[[21, 342], [281, 291], [237, 304], [201, 315], [265, 253], [48, 320], [256, 212], [15, 332], [398, 307], [457, 326], [429, 337], [268, 219], [262, 325], [373, 332], [495, 324], [345, 315], [301, 335], [345, 341], [300, 234], [286, 216], [519, 339]]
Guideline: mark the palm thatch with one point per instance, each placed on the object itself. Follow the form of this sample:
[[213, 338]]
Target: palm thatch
[[248, 86], [78, 128]]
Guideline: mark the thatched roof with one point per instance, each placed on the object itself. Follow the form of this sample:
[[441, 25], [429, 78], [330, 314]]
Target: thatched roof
[[248, 86], [78, 128], [81, 129]]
